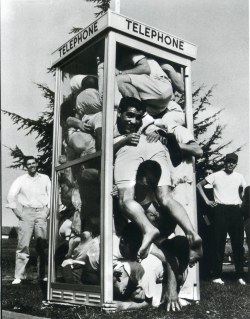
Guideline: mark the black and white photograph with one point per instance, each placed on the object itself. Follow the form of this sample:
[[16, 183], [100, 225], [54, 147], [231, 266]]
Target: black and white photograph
[[125, 159]]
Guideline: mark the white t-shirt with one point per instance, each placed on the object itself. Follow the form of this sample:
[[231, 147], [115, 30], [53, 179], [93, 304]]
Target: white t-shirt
[[226, 187]]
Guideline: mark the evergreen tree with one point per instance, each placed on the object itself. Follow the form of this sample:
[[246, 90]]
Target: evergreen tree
[[43, 130], [211, 143], [102, 5], [208, 131]]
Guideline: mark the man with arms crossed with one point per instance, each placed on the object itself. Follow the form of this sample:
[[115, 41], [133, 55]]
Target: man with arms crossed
[[29, 197]]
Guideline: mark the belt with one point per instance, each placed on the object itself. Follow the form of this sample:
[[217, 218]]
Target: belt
[[229, 205]]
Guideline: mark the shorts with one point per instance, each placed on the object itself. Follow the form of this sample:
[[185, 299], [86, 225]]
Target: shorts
[[155, 88], [128, 159]]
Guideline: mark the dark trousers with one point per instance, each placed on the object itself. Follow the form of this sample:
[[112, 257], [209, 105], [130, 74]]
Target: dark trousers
[[228, 219]]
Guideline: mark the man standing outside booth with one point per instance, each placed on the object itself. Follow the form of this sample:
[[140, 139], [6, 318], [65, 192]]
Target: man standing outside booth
[[228, 189], [29, 198]]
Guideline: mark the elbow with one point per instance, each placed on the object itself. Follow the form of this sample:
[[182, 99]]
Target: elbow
[[181, 88], [198, 186], [199, 153], [147, 70], [69, 121]]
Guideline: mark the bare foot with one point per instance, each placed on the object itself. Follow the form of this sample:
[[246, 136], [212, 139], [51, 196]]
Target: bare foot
[[148, 239], [73, 243], [196, 250]]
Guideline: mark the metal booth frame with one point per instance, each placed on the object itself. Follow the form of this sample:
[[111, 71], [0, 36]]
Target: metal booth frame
[[113, 28]]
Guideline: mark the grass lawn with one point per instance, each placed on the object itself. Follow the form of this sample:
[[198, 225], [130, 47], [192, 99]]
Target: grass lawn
[[229, 301]]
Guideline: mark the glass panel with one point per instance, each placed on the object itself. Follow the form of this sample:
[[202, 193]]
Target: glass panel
[[81, 108], [77, 253], [146, 156]]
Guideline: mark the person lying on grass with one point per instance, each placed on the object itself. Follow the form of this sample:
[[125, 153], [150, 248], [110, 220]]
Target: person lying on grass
[[154, 281]]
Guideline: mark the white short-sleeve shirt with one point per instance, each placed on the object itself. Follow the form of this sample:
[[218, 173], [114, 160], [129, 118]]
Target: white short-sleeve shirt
[[226, 187]]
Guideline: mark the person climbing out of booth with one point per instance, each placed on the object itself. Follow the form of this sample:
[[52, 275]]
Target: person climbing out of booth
[[132, 148], [142, 77]]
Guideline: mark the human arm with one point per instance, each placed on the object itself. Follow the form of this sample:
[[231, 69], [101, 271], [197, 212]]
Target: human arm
[[200, 187], [130, 139], [141, 67], [171, 295], [12, 197], [192, 148], [172, 300], [78, 124], [242, 188], [116, 305], [177, 80]]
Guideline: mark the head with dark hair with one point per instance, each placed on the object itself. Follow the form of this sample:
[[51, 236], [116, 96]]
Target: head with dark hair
[[130, 241], [148, 174], [230, 162], [127, 102], [90, 81], [28, 158], [130, 113], [30, 162], [209, 170]]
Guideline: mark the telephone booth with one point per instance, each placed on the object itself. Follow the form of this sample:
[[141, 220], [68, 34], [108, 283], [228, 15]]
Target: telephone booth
[[83, 159]]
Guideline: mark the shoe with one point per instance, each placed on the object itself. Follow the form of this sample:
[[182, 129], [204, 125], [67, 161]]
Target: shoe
[[218, 281], [45, 279], [184, 302], [241, 281], [16, 281]]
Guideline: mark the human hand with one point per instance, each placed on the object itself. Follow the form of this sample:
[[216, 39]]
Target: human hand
[[172, 299], [87, 128], [211, 203], [132, 139], [17, 213], [98, 61], [196, 251], [153, 137], [173, 304], [139, 294], [115, 192]]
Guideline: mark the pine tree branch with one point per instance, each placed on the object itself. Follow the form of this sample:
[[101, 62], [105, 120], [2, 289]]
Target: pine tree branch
[[103, 5]]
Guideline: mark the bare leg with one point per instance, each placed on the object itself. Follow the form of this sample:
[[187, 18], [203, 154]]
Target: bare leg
[[135, 213], [178, 212], [125, 87]]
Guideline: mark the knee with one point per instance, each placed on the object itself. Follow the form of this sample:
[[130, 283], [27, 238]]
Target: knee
[[123, 204], [166, 201]]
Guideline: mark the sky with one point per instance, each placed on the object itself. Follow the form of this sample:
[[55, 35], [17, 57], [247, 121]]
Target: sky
[[32, 29]]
